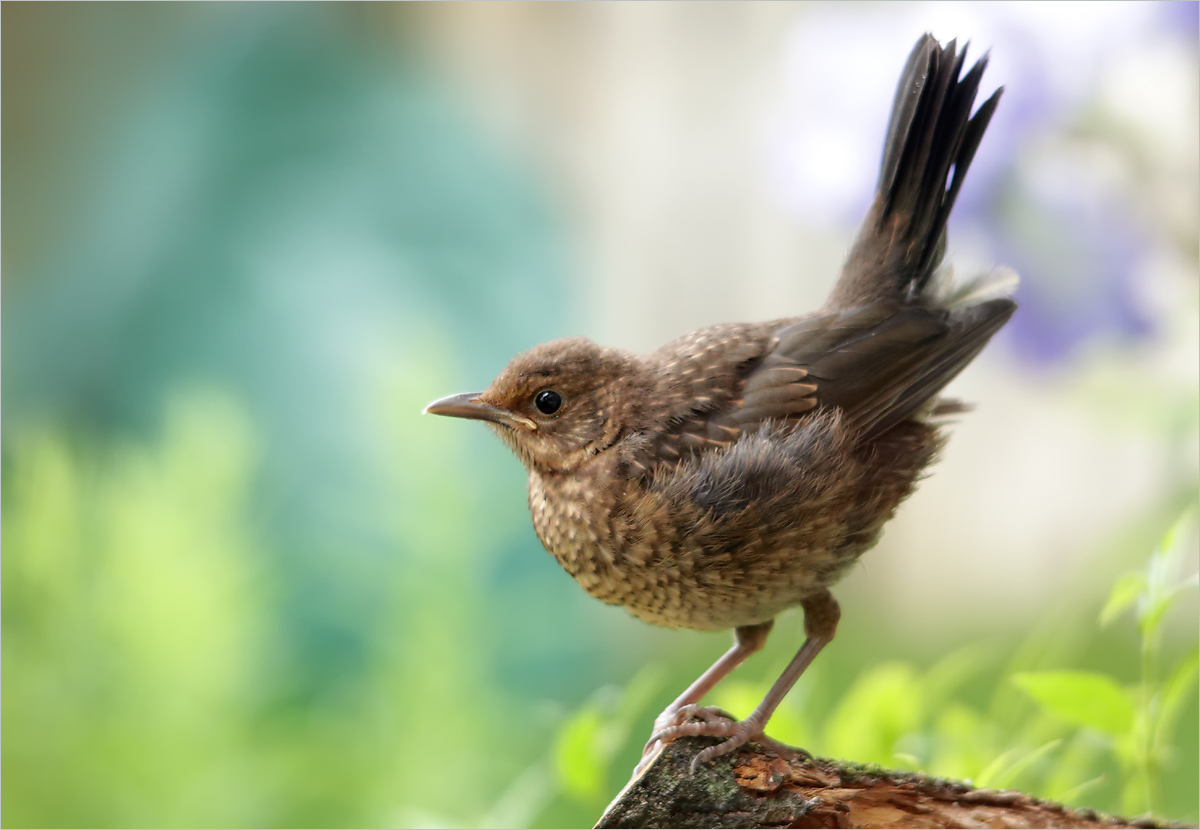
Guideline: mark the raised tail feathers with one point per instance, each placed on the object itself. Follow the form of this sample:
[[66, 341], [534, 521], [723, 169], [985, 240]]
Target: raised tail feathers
[[932, 132]]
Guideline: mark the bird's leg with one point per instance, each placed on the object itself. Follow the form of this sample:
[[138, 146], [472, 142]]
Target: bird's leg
[[746, 640], [821, 614]]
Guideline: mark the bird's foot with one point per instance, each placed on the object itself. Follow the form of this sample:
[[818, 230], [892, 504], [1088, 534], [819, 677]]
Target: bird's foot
[[677, 717], [693, 720], [671, 718]]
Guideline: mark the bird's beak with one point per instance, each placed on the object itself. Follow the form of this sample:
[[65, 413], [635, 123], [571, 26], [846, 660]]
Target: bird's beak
[[468, 405]]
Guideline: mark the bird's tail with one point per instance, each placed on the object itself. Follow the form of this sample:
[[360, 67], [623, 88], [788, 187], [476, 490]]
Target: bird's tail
[[931, 133]]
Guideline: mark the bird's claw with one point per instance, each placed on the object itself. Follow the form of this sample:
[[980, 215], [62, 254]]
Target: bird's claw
[[709, 721]]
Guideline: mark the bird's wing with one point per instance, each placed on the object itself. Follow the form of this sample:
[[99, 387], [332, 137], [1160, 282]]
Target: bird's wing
[[879, 363]]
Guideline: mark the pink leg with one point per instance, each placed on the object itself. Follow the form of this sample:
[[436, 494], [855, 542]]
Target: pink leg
[[746, 640], [821, 615]]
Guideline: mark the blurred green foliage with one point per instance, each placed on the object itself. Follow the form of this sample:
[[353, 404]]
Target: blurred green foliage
[[141, 688], [140, 683]]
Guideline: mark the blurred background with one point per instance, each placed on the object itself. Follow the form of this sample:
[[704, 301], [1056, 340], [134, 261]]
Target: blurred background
[[245, 582]]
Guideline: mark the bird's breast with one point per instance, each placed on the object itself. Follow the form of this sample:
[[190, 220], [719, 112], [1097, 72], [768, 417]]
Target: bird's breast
[[652, 565]]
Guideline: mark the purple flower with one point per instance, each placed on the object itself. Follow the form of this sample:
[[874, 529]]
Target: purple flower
[[1053, 189]]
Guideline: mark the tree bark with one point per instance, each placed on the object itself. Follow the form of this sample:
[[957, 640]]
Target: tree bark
[[754, 788]]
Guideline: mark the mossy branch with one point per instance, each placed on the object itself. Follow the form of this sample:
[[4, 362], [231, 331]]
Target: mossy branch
[[754, 788]]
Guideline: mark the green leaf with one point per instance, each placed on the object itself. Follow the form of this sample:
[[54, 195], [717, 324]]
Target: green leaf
[[1125, 592], [1162, 582], [992, 771], [1175, 694], [1081, 698], [1072, 795], [1077, 763], [882, 706], [579, 765], [1001, 774]]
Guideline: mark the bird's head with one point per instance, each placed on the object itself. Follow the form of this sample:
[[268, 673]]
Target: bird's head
[[556, 405]]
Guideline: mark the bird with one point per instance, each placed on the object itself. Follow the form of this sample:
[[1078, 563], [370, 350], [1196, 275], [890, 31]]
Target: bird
[[741, 470]]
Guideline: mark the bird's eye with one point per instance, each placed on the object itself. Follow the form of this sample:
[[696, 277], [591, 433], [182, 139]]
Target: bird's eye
[[547, 401]]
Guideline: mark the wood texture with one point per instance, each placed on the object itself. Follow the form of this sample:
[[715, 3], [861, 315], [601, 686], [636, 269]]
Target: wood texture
[[752, 788]]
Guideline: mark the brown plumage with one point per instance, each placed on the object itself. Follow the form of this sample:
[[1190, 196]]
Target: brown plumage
[[742, 469]]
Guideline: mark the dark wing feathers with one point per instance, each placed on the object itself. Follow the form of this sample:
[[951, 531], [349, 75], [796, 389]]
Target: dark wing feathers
[[781, 395], [812, 336], [753, 415], [771, 376], [884, 370], [879, 364], [968, 334]]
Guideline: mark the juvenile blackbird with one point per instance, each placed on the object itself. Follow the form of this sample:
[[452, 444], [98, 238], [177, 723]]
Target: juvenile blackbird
[[743, 468]]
